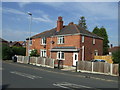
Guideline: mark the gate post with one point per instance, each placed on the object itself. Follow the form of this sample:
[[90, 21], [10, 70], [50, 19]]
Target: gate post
[[77, 66], [111, 68]]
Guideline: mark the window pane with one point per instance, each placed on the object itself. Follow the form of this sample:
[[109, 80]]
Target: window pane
[[44, 53], [59, 55], [62, 55], [30, 41], [63, 40], [75, 57], [41, 53]]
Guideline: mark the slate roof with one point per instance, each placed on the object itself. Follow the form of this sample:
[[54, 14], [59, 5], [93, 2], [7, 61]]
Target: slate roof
[[14, 44], [69, 29], [114, 49], [2, 40]]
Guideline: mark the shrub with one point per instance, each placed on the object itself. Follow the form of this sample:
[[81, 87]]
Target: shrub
[[19, 50], [116, 57], [6, 52], [34, 53]]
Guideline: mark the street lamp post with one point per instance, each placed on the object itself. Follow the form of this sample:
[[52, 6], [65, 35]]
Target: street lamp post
[[30, 14]]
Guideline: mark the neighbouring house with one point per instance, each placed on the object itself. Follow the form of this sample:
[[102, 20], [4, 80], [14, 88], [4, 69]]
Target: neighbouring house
[[23, 43], [15, 43], [68, 43], [3, 41], [113, 49]]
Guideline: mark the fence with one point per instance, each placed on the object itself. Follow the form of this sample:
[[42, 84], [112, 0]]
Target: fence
[[107, 58], [38, 61], [100, 67]]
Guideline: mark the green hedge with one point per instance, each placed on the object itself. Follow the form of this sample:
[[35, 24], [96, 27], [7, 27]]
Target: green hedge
[[8, 52]]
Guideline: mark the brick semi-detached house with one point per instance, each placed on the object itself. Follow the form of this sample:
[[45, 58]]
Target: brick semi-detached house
[[69, 43]]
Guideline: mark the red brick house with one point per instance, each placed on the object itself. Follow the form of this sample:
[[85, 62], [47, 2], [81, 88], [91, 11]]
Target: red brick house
[[3, 41], [113, 49], [69, 43], [15, 43]]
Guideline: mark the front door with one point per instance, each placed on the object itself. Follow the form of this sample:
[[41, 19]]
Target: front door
[[75, 58]]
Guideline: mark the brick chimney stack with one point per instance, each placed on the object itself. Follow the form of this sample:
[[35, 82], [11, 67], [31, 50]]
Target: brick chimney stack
[[59, 24], [71, 23]]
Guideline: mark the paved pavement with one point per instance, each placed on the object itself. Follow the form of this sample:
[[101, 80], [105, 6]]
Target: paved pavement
[[17, 75]]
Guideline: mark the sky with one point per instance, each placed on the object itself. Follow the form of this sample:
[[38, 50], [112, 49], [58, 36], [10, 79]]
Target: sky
[[15, 20]]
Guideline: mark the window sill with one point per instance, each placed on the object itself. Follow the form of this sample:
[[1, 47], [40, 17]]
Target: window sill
[[60, 43], [60, 59], [43, 44]]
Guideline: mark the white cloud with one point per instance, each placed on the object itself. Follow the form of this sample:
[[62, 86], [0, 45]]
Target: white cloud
[[22, 4], [44, 18], [14, 35], [104, 10], [61, 1], [13, 11]]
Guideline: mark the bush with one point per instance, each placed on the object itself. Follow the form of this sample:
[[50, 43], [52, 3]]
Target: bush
[[19, 50], [34, 53], [6, 52], [116, 57]]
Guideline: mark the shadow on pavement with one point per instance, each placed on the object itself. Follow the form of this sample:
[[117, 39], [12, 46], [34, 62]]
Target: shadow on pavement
[[4, 87]]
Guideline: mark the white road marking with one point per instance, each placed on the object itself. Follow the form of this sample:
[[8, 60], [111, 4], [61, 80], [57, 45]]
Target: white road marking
[[69, 85], [25, 75]]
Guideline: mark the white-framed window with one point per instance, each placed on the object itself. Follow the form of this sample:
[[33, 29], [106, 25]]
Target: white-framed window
[[30, 42], [60, 39], [43, 41], [96, 53], [60, 55], [30, 51], [43, 53], [93, 40], [83, 39]]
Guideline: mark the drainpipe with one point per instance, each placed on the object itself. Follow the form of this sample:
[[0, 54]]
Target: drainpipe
[[51, 46]]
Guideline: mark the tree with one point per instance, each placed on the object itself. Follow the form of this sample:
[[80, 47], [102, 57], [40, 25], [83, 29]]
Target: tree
[[82, 22], [96, 30], [105, 41], [116, 56], [34, 53], [19, 50], [102, 33], [6, 52]]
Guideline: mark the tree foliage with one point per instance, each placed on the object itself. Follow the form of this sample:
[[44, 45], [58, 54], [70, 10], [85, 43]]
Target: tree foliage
[[102, 33], [34, 52], [8, 52], [82, 22], [19, 50], [116, 56]]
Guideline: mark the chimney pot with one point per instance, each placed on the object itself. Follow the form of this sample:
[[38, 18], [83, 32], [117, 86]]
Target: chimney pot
[[59, 24]]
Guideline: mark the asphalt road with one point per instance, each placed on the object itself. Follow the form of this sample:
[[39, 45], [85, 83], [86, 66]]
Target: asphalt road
[[26, 76]]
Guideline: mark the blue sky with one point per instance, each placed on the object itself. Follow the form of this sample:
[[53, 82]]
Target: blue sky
[[15, 20]]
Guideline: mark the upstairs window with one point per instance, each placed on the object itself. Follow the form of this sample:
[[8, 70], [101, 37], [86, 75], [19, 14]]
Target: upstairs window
[[30, 42], [61, 40], [43, 53], [60, 55], [43, 42], [83, 39], [93, 40], [96, 52]]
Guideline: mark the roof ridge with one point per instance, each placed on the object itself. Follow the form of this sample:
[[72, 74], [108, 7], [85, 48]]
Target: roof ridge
[[76, 28], [43, 32]]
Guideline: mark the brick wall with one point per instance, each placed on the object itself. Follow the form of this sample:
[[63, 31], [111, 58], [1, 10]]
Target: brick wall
[[90, 47], [71, 40]]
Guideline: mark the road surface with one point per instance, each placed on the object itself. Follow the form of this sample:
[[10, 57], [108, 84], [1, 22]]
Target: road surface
[[16, 75]]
